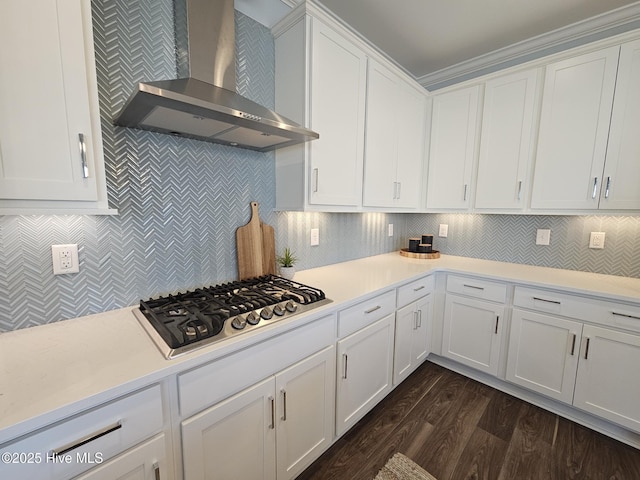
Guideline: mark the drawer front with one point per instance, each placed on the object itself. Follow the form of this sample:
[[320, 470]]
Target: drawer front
[[473, 287], [413, 291], [75, 445], [354, 318], [215, 381], [613, 314]]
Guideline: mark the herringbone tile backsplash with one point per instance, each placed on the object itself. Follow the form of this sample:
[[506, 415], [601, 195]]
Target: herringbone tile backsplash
[[180, 200]]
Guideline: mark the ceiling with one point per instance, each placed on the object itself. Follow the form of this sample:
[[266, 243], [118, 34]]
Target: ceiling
[[434, 39]]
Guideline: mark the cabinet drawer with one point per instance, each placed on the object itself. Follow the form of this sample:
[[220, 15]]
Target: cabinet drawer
[[613, 314], [473, 287], [215, 381], [365, 313], [412, 291], [83, 441]]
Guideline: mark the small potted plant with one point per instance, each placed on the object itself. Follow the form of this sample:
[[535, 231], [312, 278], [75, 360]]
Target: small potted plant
[[287, 262]]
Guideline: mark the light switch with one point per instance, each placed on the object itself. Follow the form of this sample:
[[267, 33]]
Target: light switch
[[315, 237], [543, 236], [444, 230]]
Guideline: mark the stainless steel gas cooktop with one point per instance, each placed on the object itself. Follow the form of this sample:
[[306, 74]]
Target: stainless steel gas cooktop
[[186, 321]]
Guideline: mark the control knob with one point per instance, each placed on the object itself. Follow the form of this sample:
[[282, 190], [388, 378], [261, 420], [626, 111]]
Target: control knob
[[253, 319], [238, 323], [291, 307], [278, 310], [266, 313]]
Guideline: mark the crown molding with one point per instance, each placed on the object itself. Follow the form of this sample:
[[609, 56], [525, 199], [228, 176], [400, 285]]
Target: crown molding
[[610, 23]]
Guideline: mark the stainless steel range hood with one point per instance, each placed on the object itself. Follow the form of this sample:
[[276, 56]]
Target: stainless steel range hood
[[203, 103]]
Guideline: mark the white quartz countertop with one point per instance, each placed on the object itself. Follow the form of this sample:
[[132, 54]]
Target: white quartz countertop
[[56, 370]]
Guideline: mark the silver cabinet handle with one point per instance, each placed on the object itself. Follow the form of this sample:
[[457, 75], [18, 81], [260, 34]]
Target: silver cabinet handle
[[83, 155], [284, 404], [595, 187], [371, 310], [586, 350], [473, 286], [573, 344], [418, 288], [415, 320], [547, 301], [315, 180], [519, 188], [606, 189], [345, 359], [399, 189], [465, 192], [625, 315], [89, 438], [419, 318], [497, 321], [273, 413], [156, 471], [395, 190]]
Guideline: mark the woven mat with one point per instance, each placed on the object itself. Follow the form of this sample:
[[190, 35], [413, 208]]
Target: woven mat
[[400, 467]]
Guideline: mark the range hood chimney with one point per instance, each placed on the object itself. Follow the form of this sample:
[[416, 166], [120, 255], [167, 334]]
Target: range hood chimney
[[203, 103]]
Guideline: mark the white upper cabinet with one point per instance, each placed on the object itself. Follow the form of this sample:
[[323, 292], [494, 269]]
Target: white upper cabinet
[[621, 178], [507, 140], [320, 83], [395, 140], [454, 131], [50, 140], [574, 127]]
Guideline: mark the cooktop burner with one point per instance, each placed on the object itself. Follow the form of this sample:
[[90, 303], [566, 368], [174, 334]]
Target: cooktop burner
[[186, 321]]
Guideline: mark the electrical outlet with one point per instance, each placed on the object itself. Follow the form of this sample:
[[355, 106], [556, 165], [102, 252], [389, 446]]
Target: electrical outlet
[[543, 236], [65, 259], [315, 237], [390, 230], [444, 230], [596, 240]]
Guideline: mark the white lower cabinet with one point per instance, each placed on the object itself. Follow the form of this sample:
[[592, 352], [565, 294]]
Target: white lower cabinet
[[607, 384], [284, 423], [543, 353], [413, 338], [365, 366], [473, 332], [144, 462]]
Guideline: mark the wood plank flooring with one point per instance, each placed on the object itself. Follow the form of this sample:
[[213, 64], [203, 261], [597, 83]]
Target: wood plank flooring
[[457, 428]]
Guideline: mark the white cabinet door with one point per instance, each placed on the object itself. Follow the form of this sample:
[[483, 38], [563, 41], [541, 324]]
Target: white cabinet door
[[506, 144], [607, 384], [144, 462], [395, 138], [45, 119], [453, 148], [543, 353], [365, 367], [574, 127], [472, 332], [622, 168], [215, 442], [337, 88], [412, 338], [305, 412]]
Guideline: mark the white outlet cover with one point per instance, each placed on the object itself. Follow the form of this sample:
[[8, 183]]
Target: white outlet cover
[[315, 237], [596, 240], [390, 233], [543, 236], [65, 258], [444, 230]]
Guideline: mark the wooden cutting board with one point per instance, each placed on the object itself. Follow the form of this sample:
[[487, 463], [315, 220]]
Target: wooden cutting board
[[255, 243]]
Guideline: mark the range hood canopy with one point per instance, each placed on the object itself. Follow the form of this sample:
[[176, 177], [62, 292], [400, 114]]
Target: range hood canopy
[[203, 104]]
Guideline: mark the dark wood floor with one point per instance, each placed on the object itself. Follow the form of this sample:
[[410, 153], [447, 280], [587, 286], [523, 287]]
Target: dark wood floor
[[457, 428]]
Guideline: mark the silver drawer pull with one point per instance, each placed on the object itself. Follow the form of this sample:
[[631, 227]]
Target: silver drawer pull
[[273, 413], [89, 438], [625, 315], [555, 302], [595, 187], [371, 310], [606, 190], [83, 155], [519, 188], [415, 320], [464, 199], [315, 180], [573, 344], [497, 321], [156, 471], [586, 350], [284, 405], [473, 286], [418, 289], [346, 359]]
